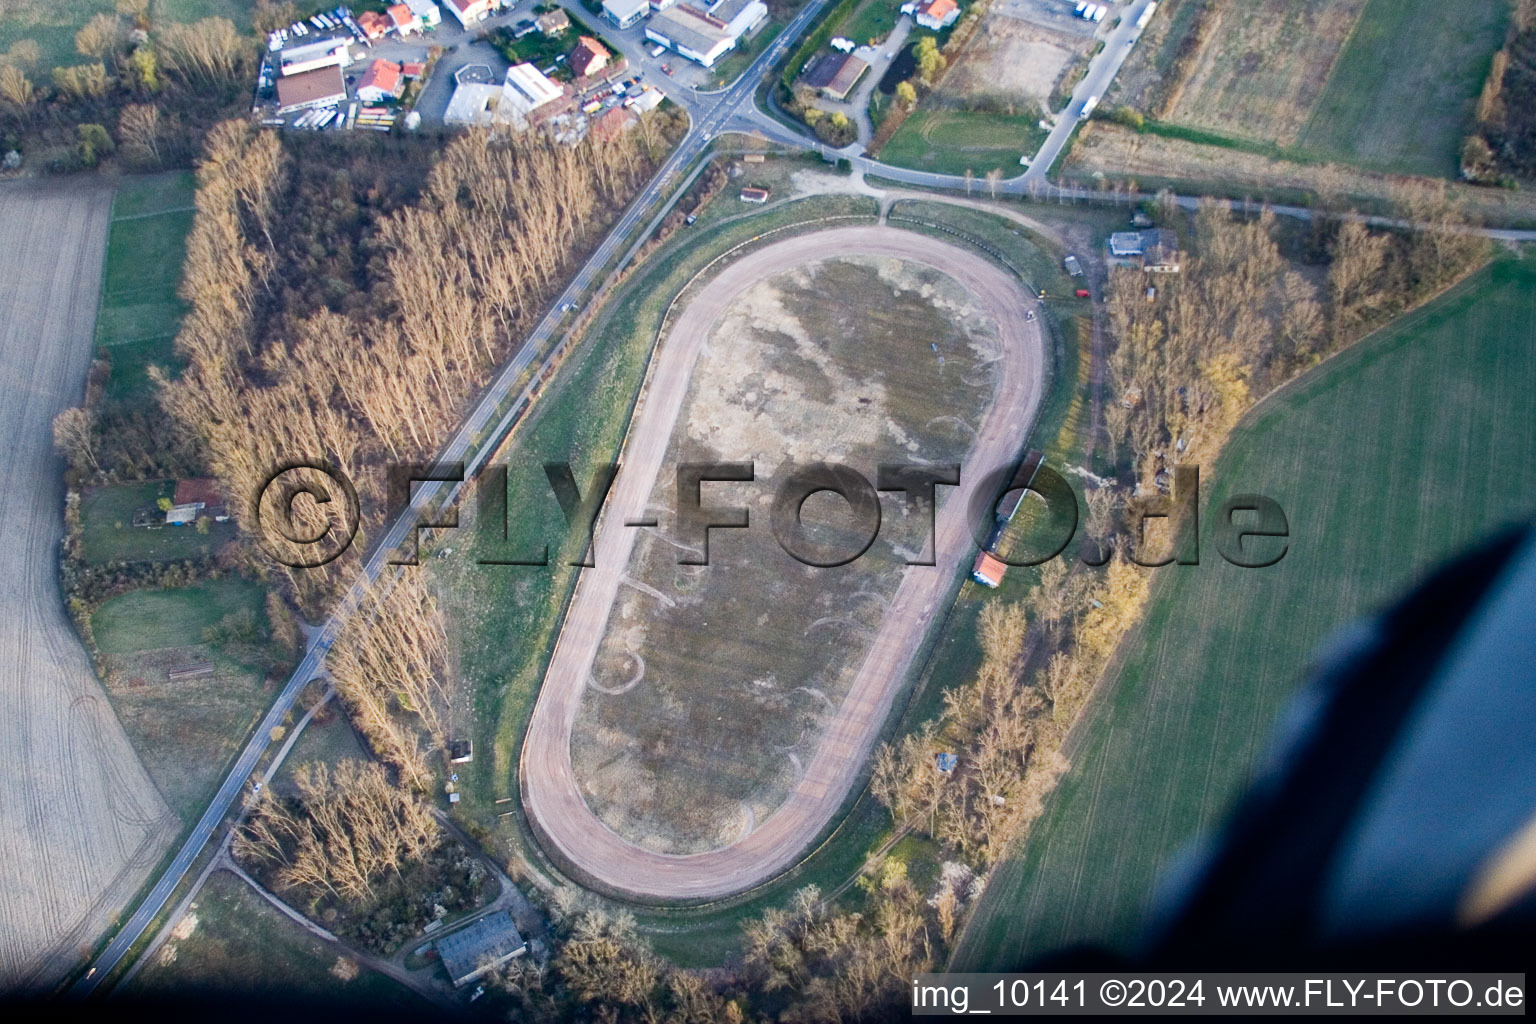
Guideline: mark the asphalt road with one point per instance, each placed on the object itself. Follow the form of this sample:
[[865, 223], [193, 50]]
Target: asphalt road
[[711, 114]]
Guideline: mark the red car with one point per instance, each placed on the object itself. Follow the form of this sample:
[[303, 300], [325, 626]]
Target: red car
[[1082, 293]]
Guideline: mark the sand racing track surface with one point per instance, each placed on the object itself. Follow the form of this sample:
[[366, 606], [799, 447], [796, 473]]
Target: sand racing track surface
[[81, 825], [550, 791]]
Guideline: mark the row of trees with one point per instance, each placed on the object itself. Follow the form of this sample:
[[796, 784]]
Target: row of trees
[[345, 830], [152, 84], [1502, 147], [453, 278]]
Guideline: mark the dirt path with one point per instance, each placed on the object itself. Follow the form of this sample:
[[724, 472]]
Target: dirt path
[[550, 791], [81, 825]]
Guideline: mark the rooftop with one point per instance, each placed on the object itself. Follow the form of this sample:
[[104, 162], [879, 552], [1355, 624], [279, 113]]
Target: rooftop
[[311, 87], [528, 87], [835, 72], [476, 948], [383, 75], [688, 28], [623, 10], [472, 103]]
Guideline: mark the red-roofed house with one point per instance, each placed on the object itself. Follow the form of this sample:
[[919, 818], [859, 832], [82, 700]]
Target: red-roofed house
[[373, 24], [613, 121], [413, 68], [468, 11], [589, 57], [403, 20], [382, 81], [937, 14], [988, 570]]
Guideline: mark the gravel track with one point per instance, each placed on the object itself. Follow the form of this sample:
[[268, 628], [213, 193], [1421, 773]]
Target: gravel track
[[81, 824], [551, 794]]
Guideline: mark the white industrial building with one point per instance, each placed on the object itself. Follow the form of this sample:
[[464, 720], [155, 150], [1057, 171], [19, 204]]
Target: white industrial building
[[739, 16], [322, 53], [625, 13], [691, 33]]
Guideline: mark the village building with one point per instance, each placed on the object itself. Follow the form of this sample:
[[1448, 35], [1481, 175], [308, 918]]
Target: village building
[[430, 14], [1155, 250], [525, 90], [373, 24], [739, 16], [648, 100], [988, 569], [589, 57], [322, 53], [322, 87], [755, 195], [625, 13], [835, 74], [690, 33], [403, 20], [468, 12], [382, 81], [479, 948], [473, 104], [936, 14], [553, 23]]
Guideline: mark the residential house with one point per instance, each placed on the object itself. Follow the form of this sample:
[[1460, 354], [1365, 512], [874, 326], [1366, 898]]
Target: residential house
[[413, 68], [835, 74], [553, 23], [430, 14], [625, 13], [589, 57], [1156, 250], [755, 195], [403, 20], [690, 33], [468, 12], [322, 87], [936, 14], [373, 24], [382, 81]]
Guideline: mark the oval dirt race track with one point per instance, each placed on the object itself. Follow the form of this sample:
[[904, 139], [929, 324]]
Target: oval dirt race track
[[551, 795]]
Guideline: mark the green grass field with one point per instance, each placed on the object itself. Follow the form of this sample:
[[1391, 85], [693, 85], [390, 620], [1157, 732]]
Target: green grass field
[[140, 310], [242, 945], [1402, 93], [871, 20], [956, 141], [53, 25], [185, 730], [106, 519], [1393, 456]]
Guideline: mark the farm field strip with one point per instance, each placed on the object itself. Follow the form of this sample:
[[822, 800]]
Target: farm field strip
[[82, 822], [551, 794], [1387, 459]]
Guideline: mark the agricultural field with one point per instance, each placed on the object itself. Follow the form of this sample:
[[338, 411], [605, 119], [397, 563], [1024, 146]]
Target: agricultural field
[[186, 729], [52, 26], [232, 942], [95, 825], [713, 683], [1379, 85], [1368, 454]]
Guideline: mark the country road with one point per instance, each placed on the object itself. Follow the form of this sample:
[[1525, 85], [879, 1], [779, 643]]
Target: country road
[[491, 409], [551, 794]]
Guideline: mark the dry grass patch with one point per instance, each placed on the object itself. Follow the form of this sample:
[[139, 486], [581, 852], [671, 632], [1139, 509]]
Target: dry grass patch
[[712, 684], [1264, 66], [1014, 60]]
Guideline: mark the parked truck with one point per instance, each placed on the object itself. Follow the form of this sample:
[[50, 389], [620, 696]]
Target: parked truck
[[1088, 105]]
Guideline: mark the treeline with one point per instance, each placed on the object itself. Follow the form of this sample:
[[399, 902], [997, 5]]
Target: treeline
[[363, 347], [1502, 146], [360, 853], [143, 92], [1239, 321]]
